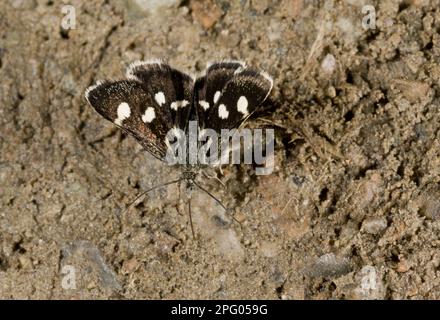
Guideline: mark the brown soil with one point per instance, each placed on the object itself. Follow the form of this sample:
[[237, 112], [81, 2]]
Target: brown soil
[[352, 209]]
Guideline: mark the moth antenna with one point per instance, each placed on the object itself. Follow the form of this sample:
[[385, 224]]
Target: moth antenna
[[134, 202], [217, 200], [190, 218]]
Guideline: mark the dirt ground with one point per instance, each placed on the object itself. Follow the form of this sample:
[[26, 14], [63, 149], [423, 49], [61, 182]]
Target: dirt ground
[[351, 211]]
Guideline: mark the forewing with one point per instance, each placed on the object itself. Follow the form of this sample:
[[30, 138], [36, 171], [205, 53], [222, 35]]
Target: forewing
[[208, 88], [131, 107], [238, 98], [171, 89]]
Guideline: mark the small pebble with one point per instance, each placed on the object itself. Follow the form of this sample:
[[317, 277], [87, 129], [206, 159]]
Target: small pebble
[[374, 225], [328, 64], [207, 13]]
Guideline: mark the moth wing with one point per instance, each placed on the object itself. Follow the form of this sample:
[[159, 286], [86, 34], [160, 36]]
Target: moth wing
[[209, 87], [233, 92], [172, 89], [131, 107], [241, 96]]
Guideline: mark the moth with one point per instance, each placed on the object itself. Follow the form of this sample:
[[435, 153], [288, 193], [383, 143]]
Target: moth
[[156, 98]]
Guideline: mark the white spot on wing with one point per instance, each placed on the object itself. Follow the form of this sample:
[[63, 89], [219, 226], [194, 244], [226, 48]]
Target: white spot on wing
[[223, 113], [149, 115], [160, 98], [204, 104], [178, 104], [242, 105], [216, 96], [123, 112]]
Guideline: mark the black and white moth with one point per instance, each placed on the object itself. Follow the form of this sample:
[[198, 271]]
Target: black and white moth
[[156, 98]]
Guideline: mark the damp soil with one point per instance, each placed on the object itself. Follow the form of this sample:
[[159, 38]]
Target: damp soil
[[351, 210]]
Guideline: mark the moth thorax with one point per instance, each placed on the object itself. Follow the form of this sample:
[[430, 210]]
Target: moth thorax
[[190, 173]]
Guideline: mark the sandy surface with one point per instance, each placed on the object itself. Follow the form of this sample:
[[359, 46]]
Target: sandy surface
[[352, 209]]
